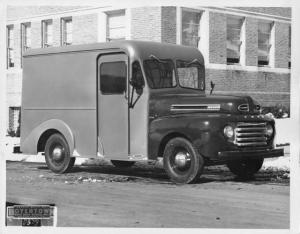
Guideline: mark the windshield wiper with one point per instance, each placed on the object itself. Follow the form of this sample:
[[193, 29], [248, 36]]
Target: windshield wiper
[[155, 58]]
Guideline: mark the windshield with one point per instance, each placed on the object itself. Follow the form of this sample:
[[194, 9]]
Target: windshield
[[191, 74], [160, 73]]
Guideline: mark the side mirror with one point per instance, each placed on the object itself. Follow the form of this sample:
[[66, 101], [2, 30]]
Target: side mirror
[[139, 91], [137, 80]]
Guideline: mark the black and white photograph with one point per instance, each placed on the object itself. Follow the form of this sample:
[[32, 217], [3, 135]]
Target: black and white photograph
[[170, 116]]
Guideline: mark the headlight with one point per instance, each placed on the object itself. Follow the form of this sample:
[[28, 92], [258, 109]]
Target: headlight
[[229, 131], [269, 130]]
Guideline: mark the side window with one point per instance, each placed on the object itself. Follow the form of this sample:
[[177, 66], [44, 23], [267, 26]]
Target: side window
[[113, 77]]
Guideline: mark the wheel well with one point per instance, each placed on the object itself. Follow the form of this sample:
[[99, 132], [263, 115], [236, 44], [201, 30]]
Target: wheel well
[[166, 139], [43, 139]]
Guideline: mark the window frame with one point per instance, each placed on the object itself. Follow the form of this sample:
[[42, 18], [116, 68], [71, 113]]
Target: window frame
[[10, 46], [290, 47], [112, 14], [25, 36], [14, 111], [126, 78], [189, 10], [45, 33], [270, 44], [241, 38], [63, 31]]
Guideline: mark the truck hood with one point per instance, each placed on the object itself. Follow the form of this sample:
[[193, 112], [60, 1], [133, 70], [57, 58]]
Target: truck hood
[[172, 103]]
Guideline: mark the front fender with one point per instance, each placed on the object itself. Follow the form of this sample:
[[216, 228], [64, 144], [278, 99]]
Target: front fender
[[202, 130], [29, 143]]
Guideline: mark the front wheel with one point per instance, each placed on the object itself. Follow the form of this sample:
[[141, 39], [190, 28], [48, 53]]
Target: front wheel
[[57, 154], [245, 168], [182, 162]]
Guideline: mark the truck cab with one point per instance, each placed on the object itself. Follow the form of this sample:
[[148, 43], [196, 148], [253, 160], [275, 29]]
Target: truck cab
[[131, 101]]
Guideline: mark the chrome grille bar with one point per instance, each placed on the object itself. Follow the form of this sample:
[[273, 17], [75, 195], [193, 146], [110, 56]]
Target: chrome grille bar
[[252, 129], [252, 139], [251, 144], [250, 134]]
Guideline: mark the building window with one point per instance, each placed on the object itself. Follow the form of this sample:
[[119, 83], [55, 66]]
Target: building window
[[234, 42], [264, 42], [290, 46], [47, 33], [14, 120], [26, 36], [115, 26], [10, 46], [66, 31], [190, 28]]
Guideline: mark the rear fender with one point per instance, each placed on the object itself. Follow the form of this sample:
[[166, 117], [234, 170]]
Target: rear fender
[[30, 143]]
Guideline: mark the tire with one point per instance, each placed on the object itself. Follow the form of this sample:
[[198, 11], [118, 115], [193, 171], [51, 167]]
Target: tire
[[57, 154], [182, 162], [122, 164], [245, 169]]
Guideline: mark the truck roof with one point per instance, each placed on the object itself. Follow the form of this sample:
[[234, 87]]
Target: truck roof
[[140, 49]]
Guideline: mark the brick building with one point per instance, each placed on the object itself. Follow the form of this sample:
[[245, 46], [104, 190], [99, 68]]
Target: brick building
[[247, 50]]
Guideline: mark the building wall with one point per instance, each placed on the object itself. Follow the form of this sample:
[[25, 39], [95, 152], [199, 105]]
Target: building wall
[[17, 12], [146, 23], [217, 38], [13, 89], [251, 41], [269, 86], [168, 25], [36, 34], [281, 44], [85, 29], [56, 32], [278, 11]]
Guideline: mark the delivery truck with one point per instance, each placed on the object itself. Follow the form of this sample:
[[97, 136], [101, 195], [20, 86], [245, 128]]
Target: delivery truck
[[130, 101]]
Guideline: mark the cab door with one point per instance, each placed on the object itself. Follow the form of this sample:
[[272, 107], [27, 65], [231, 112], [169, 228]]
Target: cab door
[[113, 105]]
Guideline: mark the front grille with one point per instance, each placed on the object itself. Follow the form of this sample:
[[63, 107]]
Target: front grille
[[250, 134]]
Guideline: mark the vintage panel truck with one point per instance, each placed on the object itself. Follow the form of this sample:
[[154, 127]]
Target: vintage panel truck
[[131, 101]]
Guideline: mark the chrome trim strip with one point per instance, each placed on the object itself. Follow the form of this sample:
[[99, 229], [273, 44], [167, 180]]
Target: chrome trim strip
[[244, 107], [195, 107]]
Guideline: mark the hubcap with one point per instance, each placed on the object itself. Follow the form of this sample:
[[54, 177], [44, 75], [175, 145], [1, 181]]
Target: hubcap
[[57, 153], [182, 159]]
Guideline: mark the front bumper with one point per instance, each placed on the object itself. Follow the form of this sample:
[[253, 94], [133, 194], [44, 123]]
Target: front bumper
[[239, 155]]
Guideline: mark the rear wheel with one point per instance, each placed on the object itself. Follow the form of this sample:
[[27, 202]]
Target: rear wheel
[[246, 168], [122, 164], [182, 162], [57, 154]]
